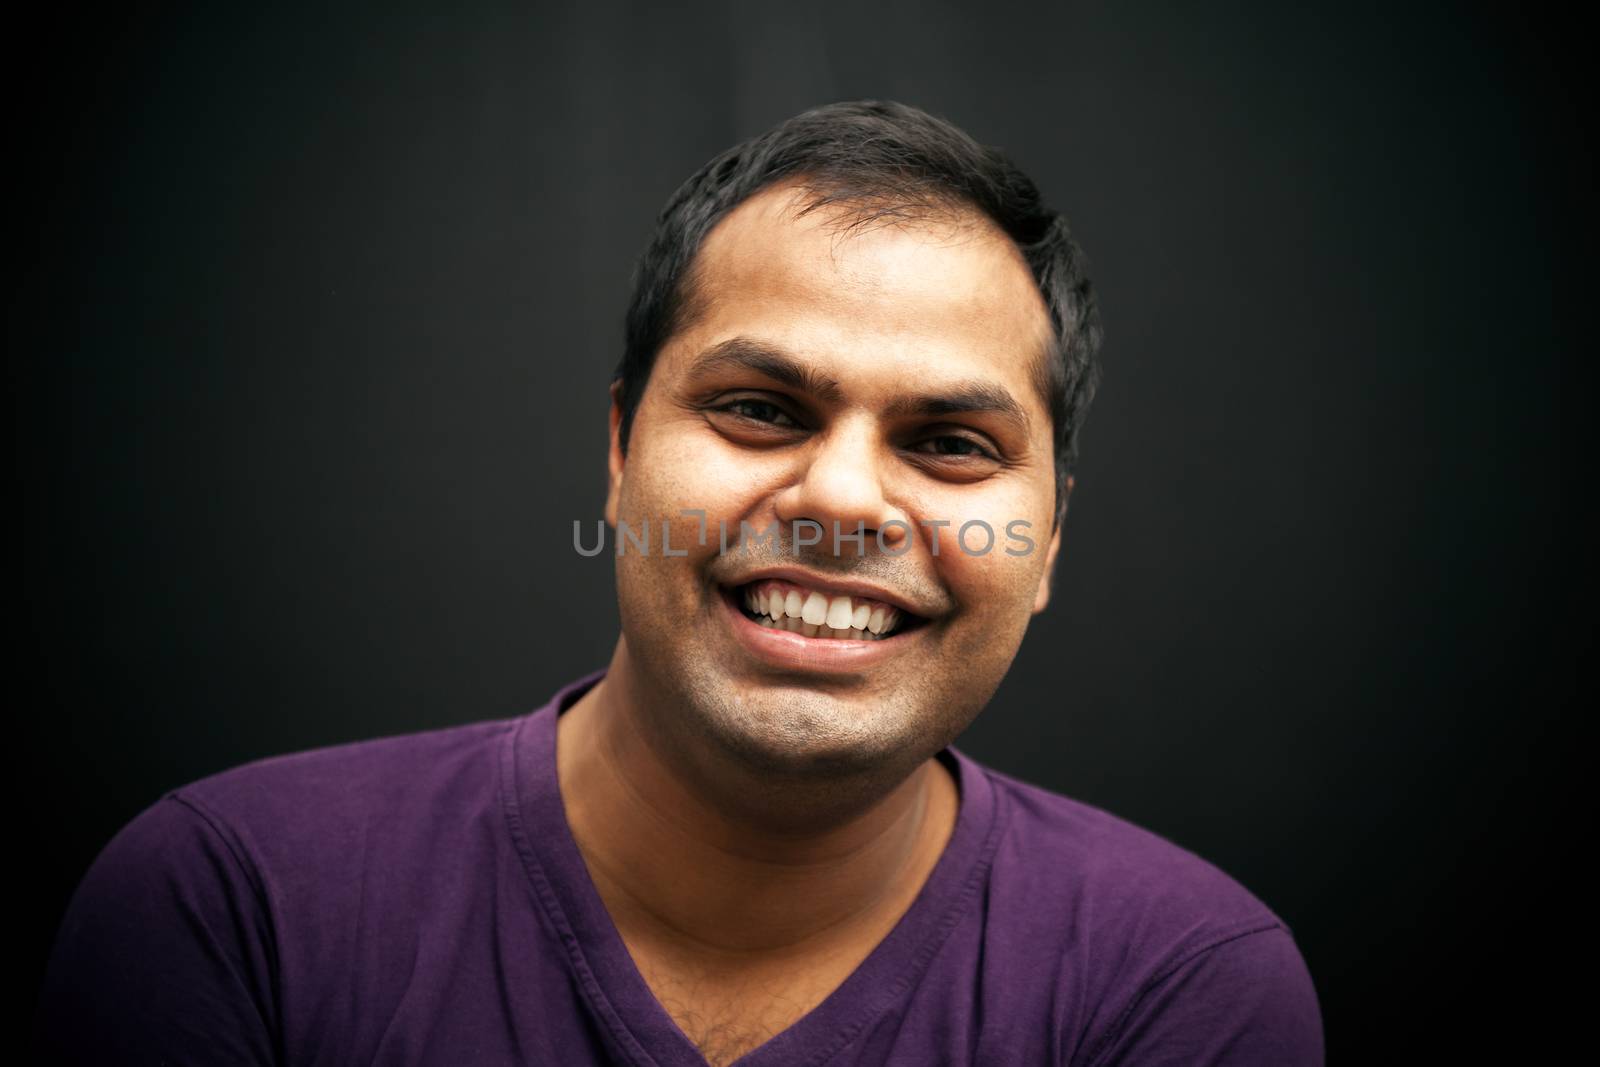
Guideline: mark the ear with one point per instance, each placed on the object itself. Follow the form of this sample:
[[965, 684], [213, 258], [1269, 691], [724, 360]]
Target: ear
[[614, 456], [1041, 598]]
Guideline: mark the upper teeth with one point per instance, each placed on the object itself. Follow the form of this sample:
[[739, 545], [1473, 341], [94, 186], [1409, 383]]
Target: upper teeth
[[784, 605]]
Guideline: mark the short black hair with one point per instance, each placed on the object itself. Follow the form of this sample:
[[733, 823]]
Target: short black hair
[[884, 160]]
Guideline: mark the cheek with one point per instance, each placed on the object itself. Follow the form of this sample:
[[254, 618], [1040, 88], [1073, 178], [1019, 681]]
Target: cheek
[[992, 584], [670, 470], [983, 526], [685, 465], [995, 564], [996, 594], [679, 458]]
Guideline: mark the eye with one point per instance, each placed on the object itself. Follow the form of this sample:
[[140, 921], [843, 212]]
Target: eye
[[757, 410], [953, 446]]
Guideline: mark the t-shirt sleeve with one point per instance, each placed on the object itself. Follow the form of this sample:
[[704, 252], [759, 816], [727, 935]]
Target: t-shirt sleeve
[[1247, 1000], [165, 954]]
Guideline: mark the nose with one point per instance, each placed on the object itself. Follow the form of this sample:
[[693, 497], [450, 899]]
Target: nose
[[840, 479]]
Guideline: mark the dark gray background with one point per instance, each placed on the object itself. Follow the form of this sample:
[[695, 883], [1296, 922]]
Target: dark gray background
[[317, 314]]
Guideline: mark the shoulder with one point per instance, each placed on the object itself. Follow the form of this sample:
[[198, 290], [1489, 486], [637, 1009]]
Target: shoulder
[[329, 799], [1118, 868], [355, 768], [313, 837], [167, 944], [239, 888], [1165, 950], [281, 824]]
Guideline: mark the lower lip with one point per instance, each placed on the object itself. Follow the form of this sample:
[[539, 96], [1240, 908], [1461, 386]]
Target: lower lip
[[827, 655]]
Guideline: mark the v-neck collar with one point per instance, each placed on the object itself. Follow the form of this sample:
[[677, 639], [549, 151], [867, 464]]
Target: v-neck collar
[[622, 1000]]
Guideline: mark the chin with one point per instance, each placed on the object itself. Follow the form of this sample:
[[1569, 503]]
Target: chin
[[796, 731]]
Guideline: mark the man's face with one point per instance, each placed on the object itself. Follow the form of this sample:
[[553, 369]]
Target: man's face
[[878, 378]]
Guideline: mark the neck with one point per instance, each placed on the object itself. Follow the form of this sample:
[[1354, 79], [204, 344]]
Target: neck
[[682, 854]]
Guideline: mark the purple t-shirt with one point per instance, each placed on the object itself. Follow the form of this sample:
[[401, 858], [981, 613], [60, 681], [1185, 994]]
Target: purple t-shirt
[[420, 900]]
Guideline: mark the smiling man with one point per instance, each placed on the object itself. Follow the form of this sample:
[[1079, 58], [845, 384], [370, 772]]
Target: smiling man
[[842, 435]]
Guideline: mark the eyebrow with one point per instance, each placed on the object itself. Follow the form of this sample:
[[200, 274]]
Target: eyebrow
[[744, 353], [956, 398]]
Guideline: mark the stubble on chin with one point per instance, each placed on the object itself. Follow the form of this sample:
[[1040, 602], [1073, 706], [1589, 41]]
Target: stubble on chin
[[785, 731]]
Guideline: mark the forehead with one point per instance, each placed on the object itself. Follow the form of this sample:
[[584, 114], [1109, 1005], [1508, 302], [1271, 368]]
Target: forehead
[[948, 296]]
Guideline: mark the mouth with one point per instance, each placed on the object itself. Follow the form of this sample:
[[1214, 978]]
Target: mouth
[[815, 614]]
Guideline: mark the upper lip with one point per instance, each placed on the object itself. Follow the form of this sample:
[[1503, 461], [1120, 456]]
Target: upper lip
[[835, 587]]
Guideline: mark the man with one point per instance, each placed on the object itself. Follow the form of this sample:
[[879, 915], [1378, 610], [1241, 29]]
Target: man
[[842, 432]]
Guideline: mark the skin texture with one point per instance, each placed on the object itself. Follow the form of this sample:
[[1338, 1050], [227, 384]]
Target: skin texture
[[756, 831]]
